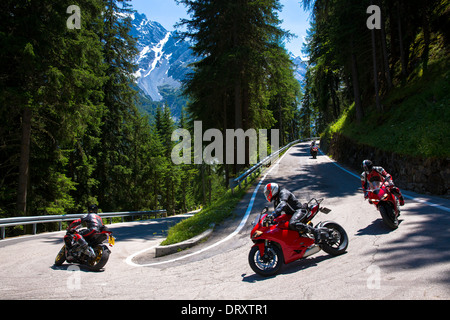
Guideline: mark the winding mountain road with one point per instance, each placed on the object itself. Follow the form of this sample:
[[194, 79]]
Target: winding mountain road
[[412, 262]]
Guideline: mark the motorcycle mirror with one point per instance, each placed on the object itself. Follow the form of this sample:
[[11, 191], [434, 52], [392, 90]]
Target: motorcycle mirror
[[325, 210]]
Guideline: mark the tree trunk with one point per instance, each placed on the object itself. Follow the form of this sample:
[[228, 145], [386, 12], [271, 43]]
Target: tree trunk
[[426, 39], [375, 72], [402, 50], [355, 82], [24, 165], [237, 118], [385, 53]]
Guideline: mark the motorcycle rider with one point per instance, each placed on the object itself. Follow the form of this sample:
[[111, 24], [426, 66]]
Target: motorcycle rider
[[311, 146], [285, 201], [93, 223], [373, 173]]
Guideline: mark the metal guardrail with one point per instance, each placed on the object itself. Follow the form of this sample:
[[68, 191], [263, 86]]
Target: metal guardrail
[[233, 183], [34, 220]]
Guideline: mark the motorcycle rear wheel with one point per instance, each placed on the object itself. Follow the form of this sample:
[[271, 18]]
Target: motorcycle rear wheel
[[100, 259], [337, 242], [268, 265], [61, 256]]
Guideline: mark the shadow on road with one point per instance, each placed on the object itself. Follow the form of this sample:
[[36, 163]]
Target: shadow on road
[[294, 267], [424, 243], [317, 178], [377, 227]]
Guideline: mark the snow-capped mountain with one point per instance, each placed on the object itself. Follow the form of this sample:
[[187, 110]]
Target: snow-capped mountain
[[300, 70], [163, 59]]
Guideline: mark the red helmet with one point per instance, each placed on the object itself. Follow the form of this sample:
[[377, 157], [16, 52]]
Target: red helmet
[[271, 190]]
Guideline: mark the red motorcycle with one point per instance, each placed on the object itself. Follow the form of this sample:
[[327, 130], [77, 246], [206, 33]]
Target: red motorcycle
[[94, 257], [314, 150], [276, 244], [380, 195]]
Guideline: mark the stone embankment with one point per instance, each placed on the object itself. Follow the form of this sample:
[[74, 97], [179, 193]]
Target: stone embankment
[[422, 175]]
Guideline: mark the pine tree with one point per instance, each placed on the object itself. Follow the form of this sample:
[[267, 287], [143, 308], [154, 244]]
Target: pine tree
[[234, 40], [113, 171]]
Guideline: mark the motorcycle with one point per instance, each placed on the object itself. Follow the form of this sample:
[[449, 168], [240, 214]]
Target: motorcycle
[[314, 150], [94, 257], [380, 195], [275, 244]]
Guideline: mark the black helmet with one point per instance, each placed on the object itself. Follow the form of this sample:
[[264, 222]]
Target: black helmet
[[93, 208], [367, 166]]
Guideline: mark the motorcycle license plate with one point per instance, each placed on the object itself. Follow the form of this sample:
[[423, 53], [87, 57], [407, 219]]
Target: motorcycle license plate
[[111, 240]]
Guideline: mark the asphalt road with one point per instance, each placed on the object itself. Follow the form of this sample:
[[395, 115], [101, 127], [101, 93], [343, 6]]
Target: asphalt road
[[412, 262]]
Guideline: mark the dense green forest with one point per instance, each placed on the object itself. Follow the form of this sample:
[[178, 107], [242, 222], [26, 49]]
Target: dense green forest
[[74, 130], [71, 130], [387, 86]]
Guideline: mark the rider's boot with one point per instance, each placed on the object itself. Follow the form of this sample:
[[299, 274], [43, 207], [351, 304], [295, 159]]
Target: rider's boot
[[305, 228]]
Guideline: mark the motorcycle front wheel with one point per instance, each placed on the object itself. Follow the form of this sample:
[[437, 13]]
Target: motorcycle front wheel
[[389, 217], [61, 257], [267, 265]]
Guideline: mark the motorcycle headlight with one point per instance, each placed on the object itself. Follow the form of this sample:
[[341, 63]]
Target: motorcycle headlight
[[257, 234]]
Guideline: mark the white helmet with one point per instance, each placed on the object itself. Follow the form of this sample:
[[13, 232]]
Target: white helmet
[[271, 190]]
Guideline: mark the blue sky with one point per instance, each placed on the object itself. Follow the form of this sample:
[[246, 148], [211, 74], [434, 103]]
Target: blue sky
[[167, 12]]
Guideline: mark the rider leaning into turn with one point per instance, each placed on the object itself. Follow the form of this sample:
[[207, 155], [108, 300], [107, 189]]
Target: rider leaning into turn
[[93, 223], [373, 173], [285, 201]]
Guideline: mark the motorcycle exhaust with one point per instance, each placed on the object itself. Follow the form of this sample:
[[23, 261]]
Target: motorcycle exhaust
[[311, 251]]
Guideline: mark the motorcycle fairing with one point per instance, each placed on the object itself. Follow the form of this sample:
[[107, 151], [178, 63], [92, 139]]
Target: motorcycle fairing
[[292, 244]]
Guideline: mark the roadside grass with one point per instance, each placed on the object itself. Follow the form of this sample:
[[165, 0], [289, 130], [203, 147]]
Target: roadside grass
[[212, 215], [415, 117]]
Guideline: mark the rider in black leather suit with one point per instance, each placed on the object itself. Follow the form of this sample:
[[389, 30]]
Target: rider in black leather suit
[[93, 223], [285, 201]]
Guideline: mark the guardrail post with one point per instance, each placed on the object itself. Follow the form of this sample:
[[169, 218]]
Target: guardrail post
[[2, 233], [232, 185]]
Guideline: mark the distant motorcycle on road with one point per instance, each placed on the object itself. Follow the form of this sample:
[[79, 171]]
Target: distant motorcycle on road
[[314, 150], [275, 244]]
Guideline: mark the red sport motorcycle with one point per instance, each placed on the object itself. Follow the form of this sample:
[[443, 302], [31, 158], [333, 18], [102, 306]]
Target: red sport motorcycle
[[95, 256], [380, 195], [275, 244], [314, 150]]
